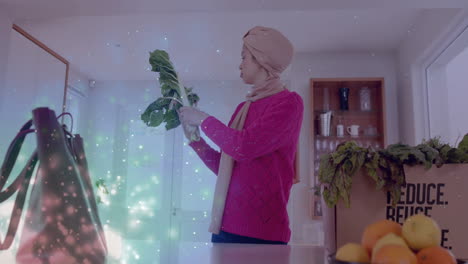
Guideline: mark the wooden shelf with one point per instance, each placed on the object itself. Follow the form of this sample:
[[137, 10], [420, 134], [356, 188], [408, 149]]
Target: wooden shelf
[[374, 118], [349, 112], [346, 138]]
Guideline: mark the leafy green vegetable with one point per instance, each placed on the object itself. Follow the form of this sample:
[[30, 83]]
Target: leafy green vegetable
[[174, 95], [463, 145], [101, 186], [383, 166]]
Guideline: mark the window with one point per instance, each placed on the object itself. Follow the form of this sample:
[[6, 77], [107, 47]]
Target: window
[[447, 91]]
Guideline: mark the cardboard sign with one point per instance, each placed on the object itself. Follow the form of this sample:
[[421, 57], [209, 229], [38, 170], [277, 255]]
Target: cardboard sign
[[441, 193]]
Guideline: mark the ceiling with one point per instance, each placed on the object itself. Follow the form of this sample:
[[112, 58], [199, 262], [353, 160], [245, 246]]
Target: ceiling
[[34, 9], [111, 41]]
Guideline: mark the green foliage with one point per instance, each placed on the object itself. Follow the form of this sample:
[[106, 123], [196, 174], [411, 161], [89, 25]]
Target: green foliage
[[164, 109], [383, 166], [101, 186]]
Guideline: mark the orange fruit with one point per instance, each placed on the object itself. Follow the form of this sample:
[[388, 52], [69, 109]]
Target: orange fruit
[[395, 254], [376, 231], [435, 255]]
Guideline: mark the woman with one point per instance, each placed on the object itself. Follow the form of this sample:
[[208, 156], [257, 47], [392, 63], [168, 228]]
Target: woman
[[255, 167]]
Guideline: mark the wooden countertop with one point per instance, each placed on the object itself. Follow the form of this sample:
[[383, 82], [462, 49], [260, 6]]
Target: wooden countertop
[[223, 253]]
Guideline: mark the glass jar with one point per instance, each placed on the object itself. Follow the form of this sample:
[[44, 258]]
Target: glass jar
[[326, 99], [365, 99]]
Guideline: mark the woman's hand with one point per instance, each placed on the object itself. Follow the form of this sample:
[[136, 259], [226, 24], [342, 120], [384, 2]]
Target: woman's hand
[[189, 130], [191, 116]]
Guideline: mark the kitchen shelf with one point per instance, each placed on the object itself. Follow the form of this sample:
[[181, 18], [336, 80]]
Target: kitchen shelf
[[350, 112], [365, 137], [374, 118]]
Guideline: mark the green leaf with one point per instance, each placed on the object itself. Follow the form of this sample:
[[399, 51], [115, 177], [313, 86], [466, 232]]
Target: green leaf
[[406, 154], [172, 119], [395, 194], [325, 175], [159, 60], [443, 152], [166, 89], [156, 105], [168, 78], [327, 197], [155, 118], [164, 109], [431, 155], [345, 195], [153, 115], [463, 145], [456, 155], [100, 184], [372, 165], [353, 162]]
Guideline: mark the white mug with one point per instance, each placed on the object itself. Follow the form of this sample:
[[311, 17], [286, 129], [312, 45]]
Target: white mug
[[340, 130], [353, 130]]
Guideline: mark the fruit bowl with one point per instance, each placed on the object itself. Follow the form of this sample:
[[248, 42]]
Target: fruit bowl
[[332, 260]]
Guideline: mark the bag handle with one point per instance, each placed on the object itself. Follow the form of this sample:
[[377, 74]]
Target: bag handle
[[68, 134], [19, 202], [14, 149], [71, 128], [13, 152], [21, 182]]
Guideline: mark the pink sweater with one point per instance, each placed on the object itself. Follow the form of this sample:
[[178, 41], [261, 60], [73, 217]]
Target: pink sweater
[[264, 153]]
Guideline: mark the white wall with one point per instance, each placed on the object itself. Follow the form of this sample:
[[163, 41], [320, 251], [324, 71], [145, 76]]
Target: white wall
[[32, 78], [77, 100], [415, 50], [79, 81], [457, 84], [335, 65], [5, 30]]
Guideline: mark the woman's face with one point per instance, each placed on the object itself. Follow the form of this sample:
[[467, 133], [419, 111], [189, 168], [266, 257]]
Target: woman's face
[[250, 71]]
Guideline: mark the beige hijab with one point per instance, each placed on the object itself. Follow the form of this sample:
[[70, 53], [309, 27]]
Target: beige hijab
[[274, 52]]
